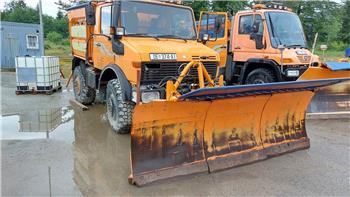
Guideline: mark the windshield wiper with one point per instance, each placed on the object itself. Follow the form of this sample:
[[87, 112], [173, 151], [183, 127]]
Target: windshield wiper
[[171, 36], [296, 45], [143, 35]]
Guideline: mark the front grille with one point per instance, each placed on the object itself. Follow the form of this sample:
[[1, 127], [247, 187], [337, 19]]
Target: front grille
[[154, 72]]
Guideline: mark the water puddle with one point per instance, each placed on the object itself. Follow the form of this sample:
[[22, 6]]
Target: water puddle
[[62, 151], [34, 124]]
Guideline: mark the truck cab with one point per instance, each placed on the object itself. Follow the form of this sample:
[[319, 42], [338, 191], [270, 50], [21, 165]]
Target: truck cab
[[127, 50], [261, 45]]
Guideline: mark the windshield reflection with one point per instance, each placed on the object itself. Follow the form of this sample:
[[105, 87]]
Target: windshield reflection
[[285, 29], [147, 19]]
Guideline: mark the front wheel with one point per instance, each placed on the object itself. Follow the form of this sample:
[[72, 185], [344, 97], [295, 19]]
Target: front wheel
[[261, 75], [119, 112]]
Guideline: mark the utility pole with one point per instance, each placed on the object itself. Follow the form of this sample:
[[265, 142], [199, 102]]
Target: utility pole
[[41, 28]]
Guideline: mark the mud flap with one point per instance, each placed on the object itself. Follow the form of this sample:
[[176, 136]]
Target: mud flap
[[212, 129]]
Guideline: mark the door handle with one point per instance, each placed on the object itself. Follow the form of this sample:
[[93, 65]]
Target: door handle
[[98, 44], [237, 47]]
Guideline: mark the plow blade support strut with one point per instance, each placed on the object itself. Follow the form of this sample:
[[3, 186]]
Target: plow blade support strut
[[212, 129]]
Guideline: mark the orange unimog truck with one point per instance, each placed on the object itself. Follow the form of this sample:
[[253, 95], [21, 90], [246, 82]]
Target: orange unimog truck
[[127, 50], [252, 44]]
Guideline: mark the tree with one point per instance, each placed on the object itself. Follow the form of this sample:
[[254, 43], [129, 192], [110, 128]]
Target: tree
[[197, 7], [230, 6], [18, 11], [344, 33], [54, 37]]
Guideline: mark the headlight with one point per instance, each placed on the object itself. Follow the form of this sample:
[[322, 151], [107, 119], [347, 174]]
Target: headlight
[[292, 73], [147, 97]]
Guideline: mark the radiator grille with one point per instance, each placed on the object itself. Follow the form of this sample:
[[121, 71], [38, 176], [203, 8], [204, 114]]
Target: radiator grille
[[154, 72]]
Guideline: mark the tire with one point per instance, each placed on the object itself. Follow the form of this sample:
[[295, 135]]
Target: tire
[[83, 93], [261, 75], [119, 112]]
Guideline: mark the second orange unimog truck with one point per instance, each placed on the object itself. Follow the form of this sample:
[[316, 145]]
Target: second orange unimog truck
[[158, 81], [262, 45]]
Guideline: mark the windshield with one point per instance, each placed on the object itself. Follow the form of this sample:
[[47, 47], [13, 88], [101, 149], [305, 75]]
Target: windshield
[[154, 20], [285, 29]]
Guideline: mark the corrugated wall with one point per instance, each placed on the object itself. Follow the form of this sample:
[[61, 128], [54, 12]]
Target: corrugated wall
[[14, 42]]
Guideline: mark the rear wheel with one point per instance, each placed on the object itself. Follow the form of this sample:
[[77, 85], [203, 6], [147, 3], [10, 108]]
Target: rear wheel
[[82, 92], [261, 75], [119, 112]]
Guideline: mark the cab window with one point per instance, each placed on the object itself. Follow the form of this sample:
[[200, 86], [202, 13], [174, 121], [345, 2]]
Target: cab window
[[246, 24], [106, 15], [210, 24]]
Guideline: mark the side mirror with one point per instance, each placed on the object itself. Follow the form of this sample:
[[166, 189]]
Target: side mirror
[[218, 24], [90, 15], [255, 27], [205, 37], [120, 31], [258, 38]]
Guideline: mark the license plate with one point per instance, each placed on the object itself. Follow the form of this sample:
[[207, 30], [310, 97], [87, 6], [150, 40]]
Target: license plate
[[292, 73], [163, 56]]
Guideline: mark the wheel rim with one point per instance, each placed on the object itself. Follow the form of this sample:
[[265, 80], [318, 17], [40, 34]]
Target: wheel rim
[[77, 85], [258, 81]]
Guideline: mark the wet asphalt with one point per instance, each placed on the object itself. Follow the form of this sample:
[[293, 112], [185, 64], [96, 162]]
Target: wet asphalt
[[51, 148]]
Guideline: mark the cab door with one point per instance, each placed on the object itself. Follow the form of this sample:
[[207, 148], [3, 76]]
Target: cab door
[[215, 24], [247, 28], [102, 45]]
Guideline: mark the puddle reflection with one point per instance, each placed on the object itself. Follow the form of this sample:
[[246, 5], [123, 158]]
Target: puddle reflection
[[34, 124], [101, 157]]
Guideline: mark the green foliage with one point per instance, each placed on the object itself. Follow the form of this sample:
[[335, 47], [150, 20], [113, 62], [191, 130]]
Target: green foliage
[[231, 6], [18, 11], [197, 7], [345, 25], [54, 37], [337, 46], [331, 19]]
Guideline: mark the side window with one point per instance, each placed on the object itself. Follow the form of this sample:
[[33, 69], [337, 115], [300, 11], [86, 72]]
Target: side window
[[211, 25], [246, 24], [32, 41], [106, 16]]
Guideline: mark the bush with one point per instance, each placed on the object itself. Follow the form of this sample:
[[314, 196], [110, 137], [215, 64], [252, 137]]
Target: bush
[[66, 42], [337, 46], [54, 37]]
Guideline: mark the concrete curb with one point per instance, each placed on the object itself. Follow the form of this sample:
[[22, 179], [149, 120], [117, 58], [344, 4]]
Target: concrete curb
[[328, 115]]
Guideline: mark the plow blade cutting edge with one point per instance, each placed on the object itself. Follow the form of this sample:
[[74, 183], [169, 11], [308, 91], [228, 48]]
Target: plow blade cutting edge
[[212, 129]]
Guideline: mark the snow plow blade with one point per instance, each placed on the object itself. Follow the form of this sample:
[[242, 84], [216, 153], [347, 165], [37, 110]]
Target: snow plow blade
[[328, 70], [212, 129]]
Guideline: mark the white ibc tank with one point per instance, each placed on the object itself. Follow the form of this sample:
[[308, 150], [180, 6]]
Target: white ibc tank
[[38, 73]]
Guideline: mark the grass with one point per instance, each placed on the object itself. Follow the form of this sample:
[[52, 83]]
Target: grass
[[330, 55], [63, 52]]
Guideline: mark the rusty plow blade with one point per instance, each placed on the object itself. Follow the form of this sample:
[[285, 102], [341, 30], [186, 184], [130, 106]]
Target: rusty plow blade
[[212, 129]]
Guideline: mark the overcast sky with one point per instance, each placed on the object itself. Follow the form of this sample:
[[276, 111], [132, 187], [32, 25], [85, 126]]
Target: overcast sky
[[49, 6]]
